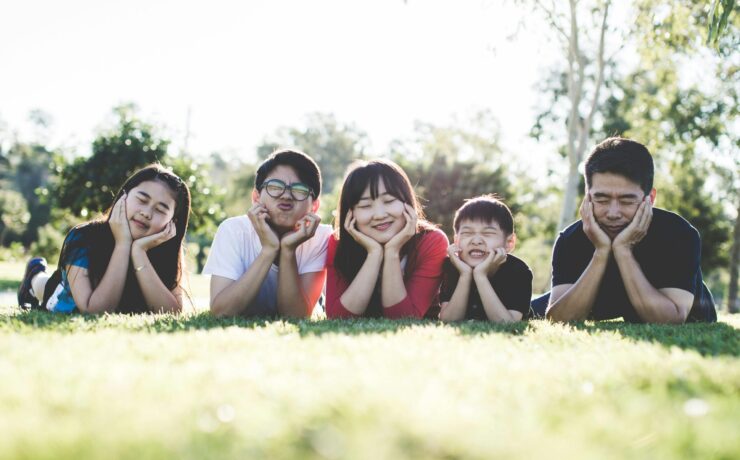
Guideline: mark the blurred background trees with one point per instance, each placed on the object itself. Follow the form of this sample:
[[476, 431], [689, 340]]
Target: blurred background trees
[[667, 75]]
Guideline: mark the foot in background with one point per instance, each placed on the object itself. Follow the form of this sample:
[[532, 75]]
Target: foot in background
[[26, 298]]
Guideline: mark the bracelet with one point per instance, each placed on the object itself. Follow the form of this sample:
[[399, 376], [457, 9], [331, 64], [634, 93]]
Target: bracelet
[[138, 269]]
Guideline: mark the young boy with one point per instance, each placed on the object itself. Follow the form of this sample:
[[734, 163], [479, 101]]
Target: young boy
[[271, 261], [481, 279]]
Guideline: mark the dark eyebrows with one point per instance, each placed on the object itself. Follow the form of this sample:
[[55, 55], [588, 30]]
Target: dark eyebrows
[[149, 197]]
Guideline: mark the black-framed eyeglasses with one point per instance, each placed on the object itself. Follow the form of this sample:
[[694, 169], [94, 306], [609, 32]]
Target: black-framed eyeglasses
[[275, 188]]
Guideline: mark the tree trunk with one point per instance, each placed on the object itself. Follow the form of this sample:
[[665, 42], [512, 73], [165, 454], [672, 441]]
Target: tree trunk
[[568, 211], [733, 303], [579, 127]]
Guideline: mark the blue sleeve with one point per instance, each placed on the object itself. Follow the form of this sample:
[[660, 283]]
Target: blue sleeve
[[77, 252]]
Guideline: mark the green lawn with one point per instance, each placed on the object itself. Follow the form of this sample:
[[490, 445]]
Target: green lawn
[[196, 387]]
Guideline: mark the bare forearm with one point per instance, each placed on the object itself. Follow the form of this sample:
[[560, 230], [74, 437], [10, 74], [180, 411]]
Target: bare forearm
[[455, 308], [107, 295], [234, 299], [158, 297], [291, 300], [358, 294], [577, 302], [650, 304], [392, 288], [495, 310]]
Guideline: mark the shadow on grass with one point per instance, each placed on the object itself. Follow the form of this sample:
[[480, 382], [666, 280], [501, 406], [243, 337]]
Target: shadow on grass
[[715, 339], [41, 320], [707, 339]]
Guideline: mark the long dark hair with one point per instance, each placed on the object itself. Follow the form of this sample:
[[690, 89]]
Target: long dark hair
[[350, 255], [167, 259]]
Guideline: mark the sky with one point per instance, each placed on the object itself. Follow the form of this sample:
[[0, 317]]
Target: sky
[[244, 68]]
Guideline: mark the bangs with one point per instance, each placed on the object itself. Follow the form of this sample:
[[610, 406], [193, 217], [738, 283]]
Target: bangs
[[371, 174]]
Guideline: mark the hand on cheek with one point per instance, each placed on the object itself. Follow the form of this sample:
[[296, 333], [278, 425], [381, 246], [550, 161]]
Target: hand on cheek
[[304, 229], [152, 241], [407, 232], [350, 224]]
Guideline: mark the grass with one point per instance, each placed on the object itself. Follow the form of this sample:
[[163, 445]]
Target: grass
[[154, 386], [157, 386]]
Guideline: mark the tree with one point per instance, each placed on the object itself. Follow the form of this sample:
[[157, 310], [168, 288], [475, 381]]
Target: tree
[[14, 215], [718, 19], [32, 173], [89, 184], [578, 25]]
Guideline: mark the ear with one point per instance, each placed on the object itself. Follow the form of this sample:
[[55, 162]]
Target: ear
[[255, 196], [653, 195], [511, 242], [456, 240], [315, 205]]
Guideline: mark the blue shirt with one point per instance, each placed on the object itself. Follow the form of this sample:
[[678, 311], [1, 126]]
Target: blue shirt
[[61, 300]]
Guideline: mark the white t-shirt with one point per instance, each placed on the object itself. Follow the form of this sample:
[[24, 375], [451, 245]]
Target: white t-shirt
[[236, 246]]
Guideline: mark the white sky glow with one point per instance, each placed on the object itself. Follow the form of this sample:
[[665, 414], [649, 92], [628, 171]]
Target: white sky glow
[[247, 68]]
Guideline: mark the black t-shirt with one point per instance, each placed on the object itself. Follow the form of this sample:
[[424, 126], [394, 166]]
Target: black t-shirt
[[669, 256], [512, 283]]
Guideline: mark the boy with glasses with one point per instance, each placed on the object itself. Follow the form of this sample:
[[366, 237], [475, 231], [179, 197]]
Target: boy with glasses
[[272, 260]]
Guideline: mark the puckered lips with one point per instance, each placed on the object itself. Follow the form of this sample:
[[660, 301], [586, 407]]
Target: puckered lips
[[285, 206], [383, 226]]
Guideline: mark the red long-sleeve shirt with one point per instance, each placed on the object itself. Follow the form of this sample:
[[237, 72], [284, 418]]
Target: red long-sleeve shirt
[[422, 283]]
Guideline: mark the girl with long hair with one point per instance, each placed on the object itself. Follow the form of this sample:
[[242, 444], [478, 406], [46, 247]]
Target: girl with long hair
[[384, 259], [128, 261]]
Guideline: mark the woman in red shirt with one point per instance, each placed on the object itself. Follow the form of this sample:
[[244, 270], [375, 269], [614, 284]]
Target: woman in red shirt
[[384, 259]]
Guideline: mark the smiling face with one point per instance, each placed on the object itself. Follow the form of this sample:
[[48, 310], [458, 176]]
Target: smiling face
[[477, 239], [284, 211], [616, 200], [149, 207], [380, 218]]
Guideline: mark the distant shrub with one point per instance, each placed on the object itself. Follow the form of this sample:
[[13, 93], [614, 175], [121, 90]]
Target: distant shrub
[[12, 253], [48, 244]]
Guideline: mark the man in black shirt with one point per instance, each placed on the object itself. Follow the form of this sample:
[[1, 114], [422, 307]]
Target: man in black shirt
[[481, 279], [625, 258]]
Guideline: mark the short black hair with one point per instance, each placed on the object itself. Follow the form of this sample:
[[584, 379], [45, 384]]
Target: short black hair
[[304, 166], [485, 208], [624, 157]]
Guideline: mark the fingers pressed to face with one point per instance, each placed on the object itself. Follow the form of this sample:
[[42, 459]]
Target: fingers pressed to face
[[348, 220], [118, 208], [310, 223], [647, 214]]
